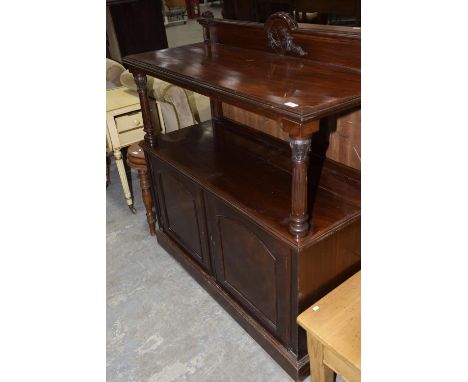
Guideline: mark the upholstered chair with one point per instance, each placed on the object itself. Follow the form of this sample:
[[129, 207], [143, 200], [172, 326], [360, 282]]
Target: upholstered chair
[[177, 107], [113, 72]]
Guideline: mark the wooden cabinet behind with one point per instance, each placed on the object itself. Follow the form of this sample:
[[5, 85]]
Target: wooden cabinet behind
[[134, 26]]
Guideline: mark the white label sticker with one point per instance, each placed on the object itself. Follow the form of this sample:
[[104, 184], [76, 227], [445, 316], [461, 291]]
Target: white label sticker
[[315, 308], [291, 104]]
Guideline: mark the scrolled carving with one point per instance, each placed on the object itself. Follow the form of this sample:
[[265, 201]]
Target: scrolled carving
[[300, 149], [278, 28]]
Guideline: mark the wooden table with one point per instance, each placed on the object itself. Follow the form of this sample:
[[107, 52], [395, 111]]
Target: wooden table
[[264, 230], [333, 326]]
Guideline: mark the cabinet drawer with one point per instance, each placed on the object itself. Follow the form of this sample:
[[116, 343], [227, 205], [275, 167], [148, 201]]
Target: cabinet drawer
[[129, 121], [131, 136]]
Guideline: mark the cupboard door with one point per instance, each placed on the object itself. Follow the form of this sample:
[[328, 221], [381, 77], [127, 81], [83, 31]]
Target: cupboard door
[[251, 265], [182, 210]]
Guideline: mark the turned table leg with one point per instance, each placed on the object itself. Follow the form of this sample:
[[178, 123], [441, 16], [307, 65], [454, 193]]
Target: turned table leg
[[147, 199], [123, 179], [140, 80], [107, 170], [128, 172], [299, 218], [136, 160]]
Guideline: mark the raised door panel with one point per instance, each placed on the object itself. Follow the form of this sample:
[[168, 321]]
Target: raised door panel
[[251, 265], [182, 210]]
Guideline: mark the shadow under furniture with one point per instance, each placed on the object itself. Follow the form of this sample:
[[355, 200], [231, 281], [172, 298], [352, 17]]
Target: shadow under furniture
[[235, 206]]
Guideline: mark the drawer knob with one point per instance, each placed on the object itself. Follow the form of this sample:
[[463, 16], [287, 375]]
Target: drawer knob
[[136, 122]]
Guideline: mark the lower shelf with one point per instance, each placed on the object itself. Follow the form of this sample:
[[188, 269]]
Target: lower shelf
[[252, 172]]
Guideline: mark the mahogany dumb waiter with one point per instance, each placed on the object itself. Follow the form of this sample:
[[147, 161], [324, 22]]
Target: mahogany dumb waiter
[[265, 226]]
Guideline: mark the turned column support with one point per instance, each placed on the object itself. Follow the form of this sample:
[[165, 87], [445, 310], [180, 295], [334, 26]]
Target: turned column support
[[300, 139], [299, 217], [150, 137]]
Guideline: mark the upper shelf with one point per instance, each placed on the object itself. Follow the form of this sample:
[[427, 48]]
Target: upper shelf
[[294, 87], [278, 69]]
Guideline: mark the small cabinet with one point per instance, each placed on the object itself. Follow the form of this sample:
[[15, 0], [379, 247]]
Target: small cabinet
[[182, 210], [251, 265]]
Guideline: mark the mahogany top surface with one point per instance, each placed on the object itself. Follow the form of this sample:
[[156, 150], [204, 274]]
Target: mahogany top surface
[[256, 79], [226, 159]]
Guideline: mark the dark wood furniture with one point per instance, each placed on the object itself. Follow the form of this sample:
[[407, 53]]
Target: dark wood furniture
[[255, 10], [193, 8], [134, 26], [338, 12], [136, 160], [262, 225]]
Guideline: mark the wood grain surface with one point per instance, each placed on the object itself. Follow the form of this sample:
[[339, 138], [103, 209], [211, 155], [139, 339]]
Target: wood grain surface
[[345, 141], [335, 322], [300, 89]]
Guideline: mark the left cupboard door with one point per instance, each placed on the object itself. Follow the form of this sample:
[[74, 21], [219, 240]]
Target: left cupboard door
[[182, 210]]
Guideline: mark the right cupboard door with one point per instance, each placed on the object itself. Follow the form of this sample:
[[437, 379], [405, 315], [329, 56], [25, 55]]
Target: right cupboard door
[[252, 266]]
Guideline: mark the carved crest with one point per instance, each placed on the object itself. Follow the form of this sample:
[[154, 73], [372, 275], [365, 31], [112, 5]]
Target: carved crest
[[278, 28], [300, 149]]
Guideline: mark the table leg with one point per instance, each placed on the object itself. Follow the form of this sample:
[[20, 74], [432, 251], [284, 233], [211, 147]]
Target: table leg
[[107, 170], [128, 172], [299, 218], [216, 109], [147, 199], [123, 179], [318, 370], [148, 128]]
